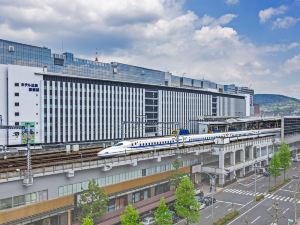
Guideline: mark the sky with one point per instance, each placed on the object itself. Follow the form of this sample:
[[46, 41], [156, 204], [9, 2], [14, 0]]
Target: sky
[[254, 43]]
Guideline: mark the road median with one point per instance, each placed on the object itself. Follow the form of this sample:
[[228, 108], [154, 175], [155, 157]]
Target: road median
[[227, 218], [279, 185]]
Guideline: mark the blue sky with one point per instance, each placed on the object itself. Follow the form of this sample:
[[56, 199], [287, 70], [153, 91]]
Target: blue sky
[[253, 43]]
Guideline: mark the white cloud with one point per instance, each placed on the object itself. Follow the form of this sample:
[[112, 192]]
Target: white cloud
[[207, 35], [222, 20], [266, 14], [292, 65], [285, 22], [232, 2], [158, 34]]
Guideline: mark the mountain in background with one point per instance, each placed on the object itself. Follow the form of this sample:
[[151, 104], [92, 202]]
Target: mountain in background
[[272, 104]]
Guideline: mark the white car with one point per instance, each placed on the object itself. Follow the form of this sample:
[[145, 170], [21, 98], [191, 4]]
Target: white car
[[148, 221]]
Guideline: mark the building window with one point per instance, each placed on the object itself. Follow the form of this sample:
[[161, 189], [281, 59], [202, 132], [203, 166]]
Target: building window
[[162, 188], [19, 200], [17, 114], [17, 94], [17, 104], [17, 123], [16, 84], [143, 172], [141, 195], [5, 203]]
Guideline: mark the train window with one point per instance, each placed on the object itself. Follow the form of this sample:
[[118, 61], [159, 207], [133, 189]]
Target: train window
[[118, 144]]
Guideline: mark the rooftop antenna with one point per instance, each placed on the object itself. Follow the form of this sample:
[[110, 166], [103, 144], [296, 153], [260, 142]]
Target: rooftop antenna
[[96, 58]]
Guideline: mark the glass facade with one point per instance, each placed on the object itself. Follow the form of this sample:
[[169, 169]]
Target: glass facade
[[291, 125], [28, 55]]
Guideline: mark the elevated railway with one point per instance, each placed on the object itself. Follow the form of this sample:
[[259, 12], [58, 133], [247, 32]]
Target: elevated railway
[[42, 160], [14, 163]]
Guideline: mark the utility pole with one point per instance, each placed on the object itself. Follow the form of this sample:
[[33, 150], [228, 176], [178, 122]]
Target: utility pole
[[295, 196], [255, 181], [28, 177]]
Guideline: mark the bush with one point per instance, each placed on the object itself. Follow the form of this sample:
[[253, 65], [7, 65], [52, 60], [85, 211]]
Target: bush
[[259, 197], [279, 185], [227, 218]]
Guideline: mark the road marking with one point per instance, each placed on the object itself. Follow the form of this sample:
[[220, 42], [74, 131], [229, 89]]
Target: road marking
[[269, 208], [216, 207], [250, 184], [257, 218], [277, 197], [254, 206], [231, 203], [229, 209], [285, 210], [288, 191], [267, 195], [207, 217]]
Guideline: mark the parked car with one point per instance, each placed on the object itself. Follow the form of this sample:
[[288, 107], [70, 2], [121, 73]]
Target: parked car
[[202, 206], [200, 198], [266, 173], [148, 220]]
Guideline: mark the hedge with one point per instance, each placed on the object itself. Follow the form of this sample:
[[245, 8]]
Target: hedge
[[259, 197], [279, 185], [227, 218]]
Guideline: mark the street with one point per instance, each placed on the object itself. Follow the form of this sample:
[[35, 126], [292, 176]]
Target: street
[[240, 196]]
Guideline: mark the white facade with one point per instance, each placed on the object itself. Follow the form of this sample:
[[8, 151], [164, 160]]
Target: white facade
[[66, 108], [19, 103]]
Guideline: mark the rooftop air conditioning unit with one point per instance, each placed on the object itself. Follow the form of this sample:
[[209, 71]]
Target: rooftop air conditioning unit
[[11, 48]]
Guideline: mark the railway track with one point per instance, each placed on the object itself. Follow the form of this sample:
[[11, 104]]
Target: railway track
[[13, 163]]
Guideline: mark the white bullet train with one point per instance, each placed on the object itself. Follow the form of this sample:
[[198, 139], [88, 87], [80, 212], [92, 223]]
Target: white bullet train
[[152, 144]]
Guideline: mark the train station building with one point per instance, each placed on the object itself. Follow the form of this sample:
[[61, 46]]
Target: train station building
[[66, 99]]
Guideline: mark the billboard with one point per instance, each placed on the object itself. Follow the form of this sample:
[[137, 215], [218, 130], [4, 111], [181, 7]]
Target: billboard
[[31, 126]]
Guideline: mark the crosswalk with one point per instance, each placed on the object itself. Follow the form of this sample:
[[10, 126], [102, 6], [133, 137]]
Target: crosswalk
[[267, 195]]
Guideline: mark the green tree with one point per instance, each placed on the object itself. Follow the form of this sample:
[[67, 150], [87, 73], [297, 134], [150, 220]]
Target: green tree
[[87, 221], [93, 201], [285, 157], [275, 166], [177, 174], [162, 214], [130, 216], [186, 204]]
